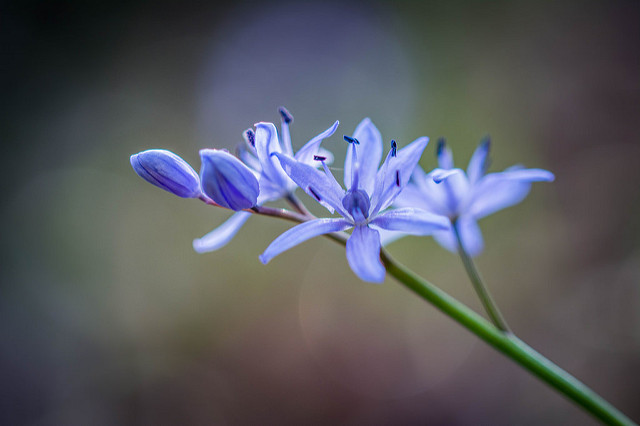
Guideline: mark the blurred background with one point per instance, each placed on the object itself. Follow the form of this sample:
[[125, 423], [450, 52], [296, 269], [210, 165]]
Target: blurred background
[[107, 315]]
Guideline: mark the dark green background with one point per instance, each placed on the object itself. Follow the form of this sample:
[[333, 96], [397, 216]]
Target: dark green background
[[109, 317]]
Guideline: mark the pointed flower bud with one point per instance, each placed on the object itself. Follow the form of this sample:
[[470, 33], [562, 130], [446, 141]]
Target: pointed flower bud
[[166, 170], [227, 181]]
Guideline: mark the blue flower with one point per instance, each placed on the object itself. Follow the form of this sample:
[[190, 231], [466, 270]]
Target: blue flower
[[273, 181], [362, 206], [227, 181], [466, 197], [168, 171]]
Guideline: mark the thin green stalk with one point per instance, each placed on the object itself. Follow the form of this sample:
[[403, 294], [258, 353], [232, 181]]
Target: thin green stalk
[[505, 342], [508, 344], [298, 205], [478, 284]]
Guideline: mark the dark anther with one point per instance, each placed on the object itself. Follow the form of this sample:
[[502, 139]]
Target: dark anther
[[251, 137], [441, 145], [315, 194], [351, 140], [319, 158], [486, 142], [397, 177], [286, 115], [394, 148]]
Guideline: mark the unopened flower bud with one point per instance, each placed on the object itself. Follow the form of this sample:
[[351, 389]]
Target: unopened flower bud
[[168, 171], [227, 181]]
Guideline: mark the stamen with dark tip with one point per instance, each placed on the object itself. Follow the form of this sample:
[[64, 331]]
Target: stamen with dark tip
[[315, 194], [486, 143], [251, 137], [286, 115], [441, 144], [351, 140], [398, 178], [394, 148], [319, 158]]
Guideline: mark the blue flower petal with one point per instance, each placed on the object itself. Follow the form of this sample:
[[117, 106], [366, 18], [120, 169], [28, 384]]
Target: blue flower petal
[[286, 119], [306, 153], [423, 193], [248, 158], [228, 181], [168, 171], [438, 175], [319, 185], [395, 173], [220, 236], [411, 221], [529, 175], [470, 235], [457, 192], [444, 155], [497, 191], [326, 154], [479, 162], [369, 153], [301, 233], [446, 239], [363, 254], [388, 237], [266, 144]]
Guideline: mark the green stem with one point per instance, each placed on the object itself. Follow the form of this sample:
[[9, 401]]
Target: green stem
[[298, 205], [478, 284], [508, 344]]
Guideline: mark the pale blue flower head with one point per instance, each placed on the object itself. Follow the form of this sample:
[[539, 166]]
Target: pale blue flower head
[[168, 171], [274, 183], [362, 206], [466, 197], [227, 181]]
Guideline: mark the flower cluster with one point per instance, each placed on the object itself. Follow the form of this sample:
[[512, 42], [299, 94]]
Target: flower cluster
[[379, 202]]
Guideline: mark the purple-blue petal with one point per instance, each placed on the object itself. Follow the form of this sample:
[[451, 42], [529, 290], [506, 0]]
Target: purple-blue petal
[[457, 191], [301, 233], [311, 148], [479, 162], [395, 173], [497, 191], [470, 235], [267, 143], [227, 181], [369, 153], [388, 237], [444, 155], [168, 171], [363, 254], [411, 221], [422, 192], [286, 119], [438, 175], [220, 236], [319, 185]]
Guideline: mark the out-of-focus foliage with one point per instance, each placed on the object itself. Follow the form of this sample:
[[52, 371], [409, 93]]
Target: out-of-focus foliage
[[109, 317]]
